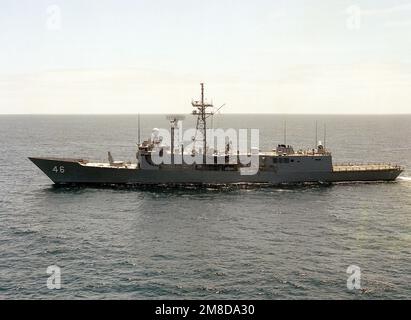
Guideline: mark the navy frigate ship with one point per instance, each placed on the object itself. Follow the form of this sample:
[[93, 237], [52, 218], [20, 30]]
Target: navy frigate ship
[[281, 165]]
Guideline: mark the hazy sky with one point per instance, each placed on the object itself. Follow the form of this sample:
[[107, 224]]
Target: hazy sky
[[148, 56]]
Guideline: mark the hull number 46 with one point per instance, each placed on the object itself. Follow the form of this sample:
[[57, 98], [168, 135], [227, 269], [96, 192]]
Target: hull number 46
[[58, 169]]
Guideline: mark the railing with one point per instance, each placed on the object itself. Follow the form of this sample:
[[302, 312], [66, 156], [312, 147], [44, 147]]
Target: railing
[[365, 167]]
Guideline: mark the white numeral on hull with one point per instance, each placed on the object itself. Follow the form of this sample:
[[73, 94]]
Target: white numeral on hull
[[59, 169]]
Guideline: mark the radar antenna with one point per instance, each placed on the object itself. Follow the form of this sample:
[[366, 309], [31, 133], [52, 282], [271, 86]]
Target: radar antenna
[[202, 115]]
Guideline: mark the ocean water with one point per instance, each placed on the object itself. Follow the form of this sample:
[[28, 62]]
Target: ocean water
[[268, 243]]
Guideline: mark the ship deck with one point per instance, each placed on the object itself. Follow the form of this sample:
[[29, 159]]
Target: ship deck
[[365, 167], [119, 165]]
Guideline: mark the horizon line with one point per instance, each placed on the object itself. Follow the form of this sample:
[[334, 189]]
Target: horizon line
[[189, 114]]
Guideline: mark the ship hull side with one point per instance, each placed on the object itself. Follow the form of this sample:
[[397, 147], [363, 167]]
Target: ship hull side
[[62, 171]]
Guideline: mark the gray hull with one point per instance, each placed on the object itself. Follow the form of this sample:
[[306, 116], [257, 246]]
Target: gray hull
[[71, 171]]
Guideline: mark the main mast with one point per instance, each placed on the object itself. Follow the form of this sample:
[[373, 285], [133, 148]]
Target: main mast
[[202, 115]]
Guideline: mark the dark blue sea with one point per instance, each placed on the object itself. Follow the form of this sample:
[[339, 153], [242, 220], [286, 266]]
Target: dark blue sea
[[226, 243]]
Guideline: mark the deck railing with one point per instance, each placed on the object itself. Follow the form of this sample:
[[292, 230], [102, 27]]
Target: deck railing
[[365, 167]]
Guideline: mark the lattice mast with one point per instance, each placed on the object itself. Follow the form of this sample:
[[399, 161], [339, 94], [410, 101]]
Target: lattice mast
[[202, 115]]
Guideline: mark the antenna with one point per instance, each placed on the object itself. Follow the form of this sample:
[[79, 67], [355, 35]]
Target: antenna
[[219, 108], [202, 114], [138, 125], [316, 134], [285, 132], [212, 115], [325, 133]]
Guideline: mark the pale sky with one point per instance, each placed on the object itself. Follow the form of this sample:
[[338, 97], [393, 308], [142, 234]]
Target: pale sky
[[149, 56]]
